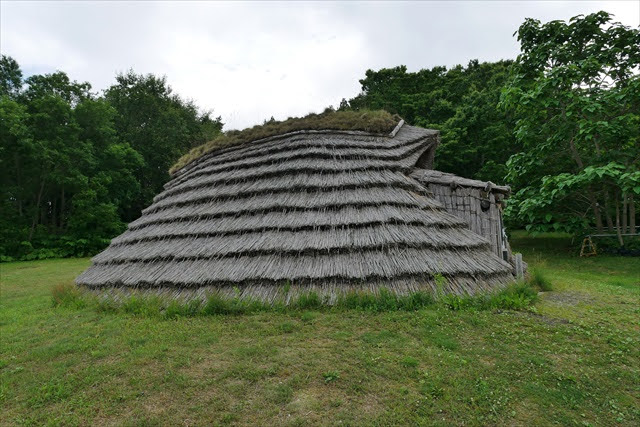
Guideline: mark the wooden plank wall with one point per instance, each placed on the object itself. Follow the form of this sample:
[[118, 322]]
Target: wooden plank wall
[[464, 202]]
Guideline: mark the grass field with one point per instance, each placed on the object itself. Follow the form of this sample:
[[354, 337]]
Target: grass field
[[574, 359]]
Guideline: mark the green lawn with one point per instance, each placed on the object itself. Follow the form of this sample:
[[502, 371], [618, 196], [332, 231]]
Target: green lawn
[[575, 359]]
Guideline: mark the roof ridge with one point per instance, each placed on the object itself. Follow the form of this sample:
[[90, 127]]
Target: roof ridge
[[221, 150], [361, 123]]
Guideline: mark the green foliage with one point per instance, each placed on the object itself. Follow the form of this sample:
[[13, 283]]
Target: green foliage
[[611, 245], [409, 362], [440, 281], [331, 376], [216, 304], [148, 306], [10, 77], [172, 126], [477, 137], [308, 316], [575, 92], [518, 296], [538, 279], [287, 327], [384, 300], [307, 301], [379, 122], [75, 167]]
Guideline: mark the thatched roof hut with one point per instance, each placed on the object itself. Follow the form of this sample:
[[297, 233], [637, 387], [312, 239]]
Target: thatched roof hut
[[328, 211]]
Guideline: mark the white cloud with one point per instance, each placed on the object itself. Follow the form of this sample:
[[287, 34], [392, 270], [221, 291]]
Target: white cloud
[[251, 61]]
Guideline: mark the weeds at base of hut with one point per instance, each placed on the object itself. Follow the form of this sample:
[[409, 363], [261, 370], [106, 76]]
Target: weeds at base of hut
[[384, 301], [539, 280], [67, 295], [518, 296]]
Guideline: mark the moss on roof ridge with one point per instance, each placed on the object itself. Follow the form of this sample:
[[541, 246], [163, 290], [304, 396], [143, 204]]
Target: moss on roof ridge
[[376, 122]]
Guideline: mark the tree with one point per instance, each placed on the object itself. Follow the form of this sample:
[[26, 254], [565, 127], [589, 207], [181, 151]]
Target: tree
[[10, 77], [159, 125], [16, 145], [58, 85], [65, 172], [477, 137], [575, 92], [76, 167]]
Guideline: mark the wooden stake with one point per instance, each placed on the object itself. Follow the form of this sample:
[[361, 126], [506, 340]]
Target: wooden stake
[[519, 267]]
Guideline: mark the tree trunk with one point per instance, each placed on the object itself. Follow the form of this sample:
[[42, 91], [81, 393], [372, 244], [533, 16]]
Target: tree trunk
[[625, 209], [592, 198], [632, 214], [607, 213], [19, 182], [618, 228], [37, 212], [62, 209], [43, 214], [54, 214], [596, 211]]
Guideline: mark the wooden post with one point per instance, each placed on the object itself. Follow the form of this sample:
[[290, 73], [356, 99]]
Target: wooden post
[[519, 267]]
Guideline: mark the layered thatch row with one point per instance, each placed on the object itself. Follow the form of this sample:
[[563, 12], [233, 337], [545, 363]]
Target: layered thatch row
[[373, 122], [378, 236], [310, 184], [328, 289], [326, 211], [263, 203], [304, 145], [358, 266], [291, 220]]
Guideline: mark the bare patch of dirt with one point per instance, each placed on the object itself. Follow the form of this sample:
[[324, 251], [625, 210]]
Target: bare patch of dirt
[[571, 298], [553, 321]]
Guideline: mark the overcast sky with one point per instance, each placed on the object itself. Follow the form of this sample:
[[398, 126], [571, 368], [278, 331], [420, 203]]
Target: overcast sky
[[250, 61]]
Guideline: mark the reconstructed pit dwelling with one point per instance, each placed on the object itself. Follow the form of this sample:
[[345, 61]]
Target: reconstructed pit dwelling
[[324, 211]]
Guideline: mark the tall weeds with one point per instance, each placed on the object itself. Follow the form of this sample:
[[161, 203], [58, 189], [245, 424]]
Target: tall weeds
[[515, 297]]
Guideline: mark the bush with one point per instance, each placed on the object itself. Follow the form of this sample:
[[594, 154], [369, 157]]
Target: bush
[[46, 246], [610, 245], [174, 310]]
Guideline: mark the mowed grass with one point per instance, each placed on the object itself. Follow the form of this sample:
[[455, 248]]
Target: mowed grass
[[574, 359]]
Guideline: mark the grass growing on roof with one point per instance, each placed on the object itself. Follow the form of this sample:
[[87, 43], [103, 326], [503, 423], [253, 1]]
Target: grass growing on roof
[[377, 122], [572, 361]]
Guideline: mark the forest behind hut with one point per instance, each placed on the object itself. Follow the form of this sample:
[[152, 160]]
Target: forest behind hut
[[560, 124]]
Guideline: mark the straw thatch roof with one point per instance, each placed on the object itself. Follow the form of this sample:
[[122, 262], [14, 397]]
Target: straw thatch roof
[[377, 122], [323, 211]]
